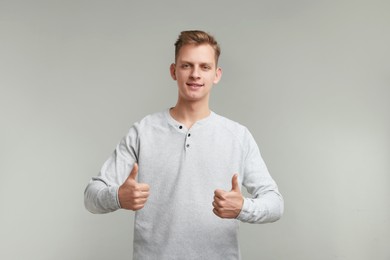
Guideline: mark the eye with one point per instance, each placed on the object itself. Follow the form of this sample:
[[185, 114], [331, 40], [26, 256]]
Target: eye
[[206, 67], [185, 66]]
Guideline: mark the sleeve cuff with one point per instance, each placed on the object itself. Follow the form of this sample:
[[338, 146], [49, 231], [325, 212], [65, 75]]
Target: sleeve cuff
[[244, 213], [115, 195]]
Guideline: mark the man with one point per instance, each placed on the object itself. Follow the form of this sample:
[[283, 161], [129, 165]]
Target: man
[[181, 170]]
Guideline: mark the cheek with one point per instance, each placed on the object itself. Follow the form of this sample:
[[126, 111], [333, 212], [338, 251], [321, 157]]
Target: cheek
[[181, 76], [211, 78]]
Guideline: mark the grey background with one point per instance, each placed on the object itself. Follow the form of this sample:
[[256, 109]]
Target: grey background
[[310, 79]]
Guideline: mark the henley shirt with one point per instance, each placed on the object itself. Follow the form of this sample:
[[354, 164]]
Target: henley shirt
[[183, 168]]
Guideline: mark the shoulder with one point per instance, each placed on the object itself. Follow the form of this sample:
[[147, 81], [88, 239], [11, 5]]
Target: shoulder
[[157, 118], [233, 130], [238, 132], [149, 123], [231, 126]]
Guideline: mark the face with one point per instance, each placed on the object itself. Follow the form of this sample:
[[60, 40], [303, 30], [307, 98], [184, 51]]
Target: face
[[195, 72]]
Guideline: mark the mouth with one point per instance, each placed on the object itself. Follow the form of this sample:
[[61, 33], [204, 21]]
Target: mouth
[[194, 85]]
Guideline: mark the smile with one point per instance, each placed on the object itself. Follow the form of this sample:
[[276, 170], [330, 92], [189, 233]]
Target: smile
[[195, 85]]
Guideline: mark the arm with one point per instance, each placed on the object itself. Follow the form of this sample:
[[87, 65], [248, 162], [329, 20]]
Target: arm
[[101, 193], [266, 204]]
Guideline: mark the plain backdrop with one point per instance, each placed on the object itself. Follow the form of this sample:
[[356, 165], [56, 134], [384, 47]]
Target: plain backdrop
[[310, 79]]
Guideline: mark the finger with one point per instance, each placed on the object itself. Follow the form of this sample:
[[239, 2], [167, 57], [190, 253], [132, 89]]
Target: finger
[[219, 212], [140, 201], [218, 199], [219, 193], [140, 194], [134, 172], [143, 187], [143, 194], [216, 212], [217, 204], [235, 185], [138, 207]]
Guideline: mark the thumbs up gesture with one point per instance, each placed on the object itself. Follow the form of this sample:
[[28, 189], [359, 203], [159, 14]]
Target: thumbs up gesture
[[228, 204], [133, 195]]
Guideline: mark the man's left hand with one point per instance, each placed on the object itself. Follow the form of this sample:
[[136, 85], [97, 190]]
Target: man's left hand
[[228, 204]]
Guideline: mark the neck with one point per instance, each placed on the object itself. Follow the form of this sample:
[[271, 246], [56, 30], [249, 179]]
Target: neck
[[189, 113]]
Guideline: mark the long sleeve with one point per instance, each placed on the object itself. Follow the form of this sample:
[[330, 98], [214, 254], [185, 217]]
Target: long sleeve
[[183, 167], [101, 193], [266, 204]]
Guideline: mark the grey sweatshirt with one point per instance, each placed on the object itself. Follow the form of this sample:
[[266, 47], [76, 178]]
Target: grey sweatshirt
[[183, 168]]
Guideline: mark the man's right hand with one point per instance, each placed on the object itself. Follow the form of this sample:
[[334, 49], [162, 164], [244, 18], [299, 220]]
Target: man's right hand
[[133, 195]]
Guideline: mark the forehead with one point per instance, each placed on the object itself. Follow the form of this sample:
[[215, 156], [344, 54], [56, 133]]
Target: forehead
[[203, 53]]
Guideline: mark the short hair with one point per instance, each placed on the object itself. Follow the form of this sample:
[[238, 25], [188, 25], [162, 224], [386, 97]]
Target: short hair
[[197, 37]]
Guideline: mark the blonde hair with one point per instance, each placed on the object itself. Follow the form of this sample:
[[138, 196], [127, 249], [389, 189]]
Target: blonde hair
[[197, 38]]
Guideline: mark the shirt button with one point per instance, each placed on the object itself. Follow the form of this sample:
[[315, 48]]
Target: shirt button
[[188, 145], [189, 135], [180, 127]]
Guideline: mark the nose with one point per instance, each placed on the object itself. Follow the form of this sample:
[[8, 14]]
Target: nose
[[195, 72]]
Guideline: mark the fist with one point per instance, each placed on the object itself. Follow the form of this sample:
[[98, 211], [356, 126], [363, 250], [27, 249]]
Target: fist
[[228, 204], [133, 195]]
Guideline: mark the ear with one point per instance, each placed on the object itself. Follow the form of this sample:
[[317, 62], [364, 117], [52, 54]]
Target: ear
[[218, 75], [172, 70]]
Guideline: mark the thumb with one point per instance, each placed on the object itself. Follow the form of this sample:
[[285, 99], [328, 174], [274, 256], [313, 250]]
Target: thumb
[[134, 172], [235, 186]]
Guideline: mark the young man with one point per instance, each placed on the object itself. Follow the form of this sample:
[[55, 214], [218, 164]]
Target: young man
[[181, 170]]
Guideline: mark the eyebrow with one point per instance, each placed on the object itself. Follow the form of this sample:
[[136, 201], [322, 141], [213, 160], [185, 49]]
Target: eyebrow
[[202, 63]]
